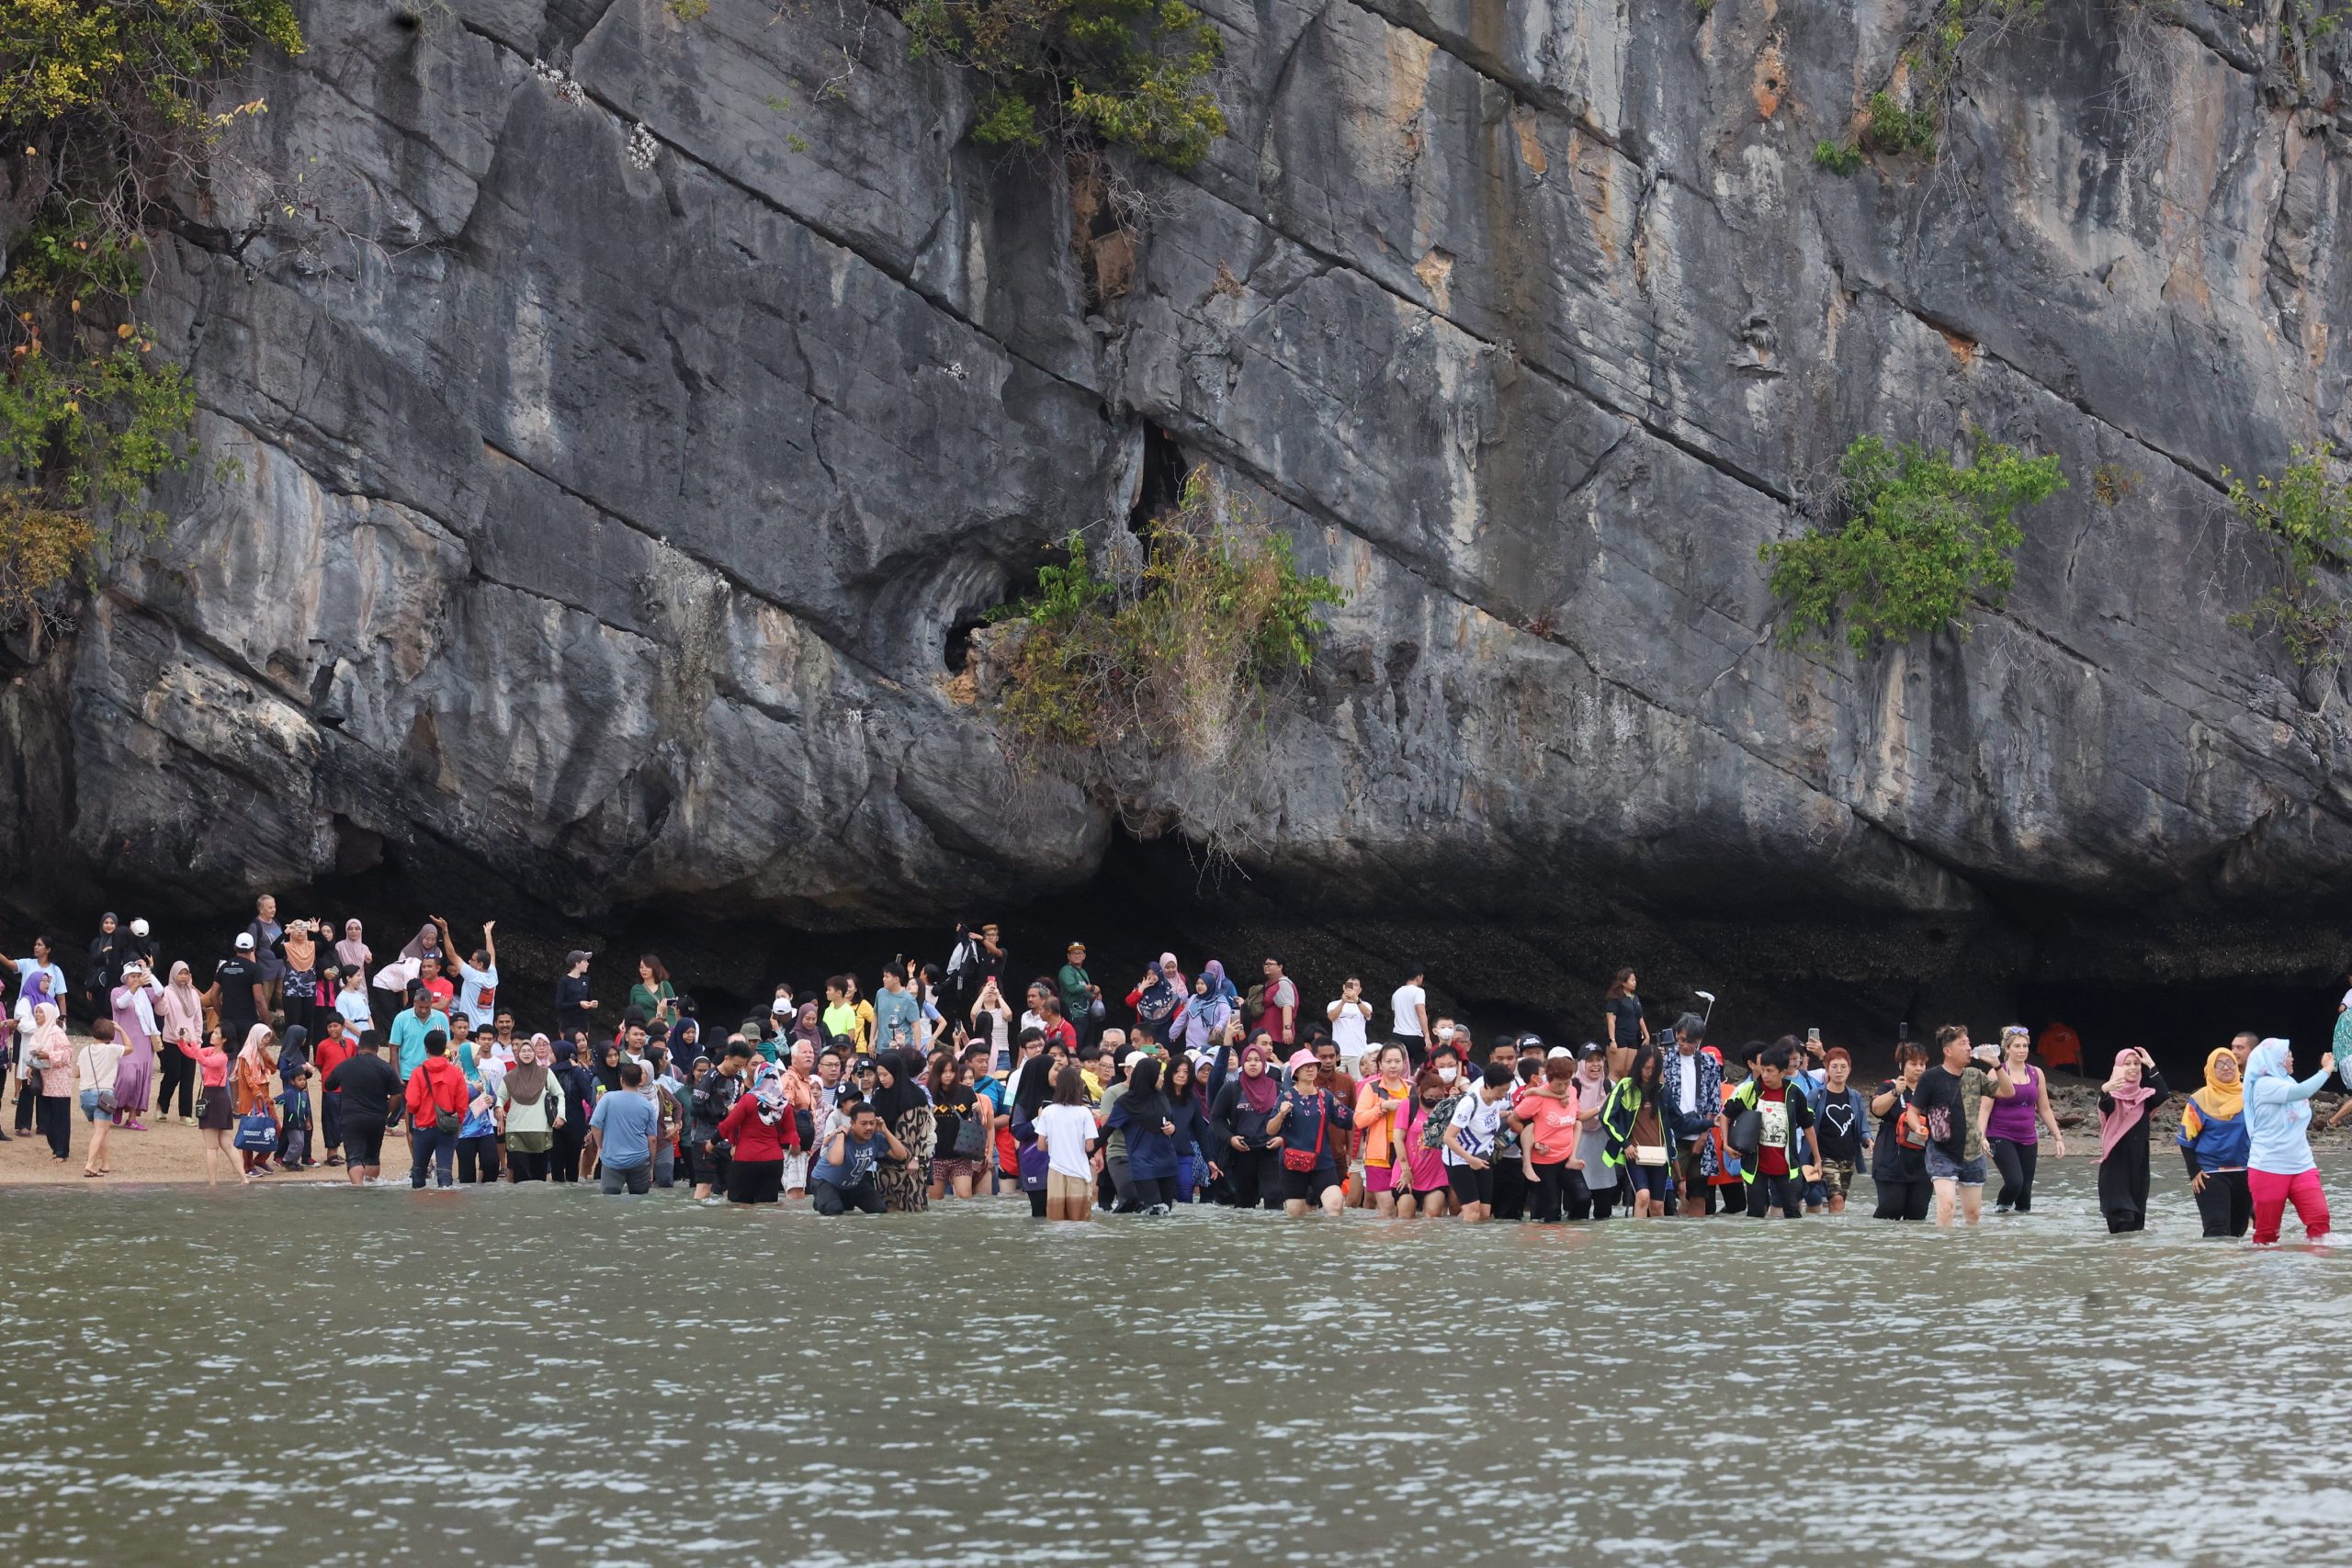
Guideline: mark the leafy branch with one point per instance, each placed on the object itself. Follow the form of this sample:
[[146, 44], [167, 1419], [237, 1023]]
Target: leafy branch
[[1921, 537]]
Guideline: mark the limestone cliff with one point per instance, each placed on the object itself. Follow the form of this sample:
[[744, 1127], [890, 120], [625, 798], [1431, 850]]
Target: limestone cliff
[[628, 415]]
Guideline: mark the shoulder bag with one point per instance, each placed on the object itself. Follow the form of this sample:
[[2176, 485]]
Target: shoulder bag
[[1303, 1159], [106, 1096]]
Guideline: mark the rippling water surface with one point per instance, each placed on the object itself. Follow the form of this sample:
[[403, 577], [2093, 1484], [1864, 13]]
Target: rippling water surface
[[319, 1376]]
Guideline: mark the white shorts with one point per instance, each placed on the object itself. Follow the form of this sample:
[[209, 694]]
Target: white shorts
[[795, 1173]]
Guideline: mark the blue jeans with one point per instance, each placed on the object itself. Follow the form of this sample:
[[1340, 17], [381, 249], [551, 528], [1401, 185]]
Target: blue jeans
[[427, 1143]]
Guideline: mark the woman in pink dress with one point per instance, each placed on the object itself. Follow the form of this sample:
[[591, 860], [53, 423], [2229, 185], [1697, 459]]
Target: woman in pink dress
[[135, 1030], [180, 1018]]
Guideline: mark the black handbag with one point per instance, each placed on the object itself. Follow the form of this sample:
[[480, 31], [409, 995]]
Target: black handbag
[[971, 1141], [1746, 1133]]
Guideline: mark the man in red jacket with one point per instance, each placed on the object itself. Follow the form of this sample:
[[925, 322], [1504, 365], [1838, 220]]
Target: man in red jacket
[[436, 1092]]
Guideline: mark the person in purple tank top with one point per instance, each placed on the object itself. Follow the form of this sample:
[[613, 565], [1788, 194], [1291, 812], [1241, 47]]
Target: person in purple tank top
[[2011, 1129]]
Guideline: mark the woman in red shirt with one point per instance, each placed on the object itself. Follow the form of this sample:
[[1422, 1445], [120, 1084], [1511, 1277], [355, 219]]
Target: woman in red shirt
[[760, 1126]]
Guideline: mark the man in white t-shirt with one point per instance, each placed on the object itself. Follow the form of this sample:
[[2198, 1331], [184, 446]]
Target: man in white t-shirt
[[1409, 1018], [1350, 1017], [478, 987]]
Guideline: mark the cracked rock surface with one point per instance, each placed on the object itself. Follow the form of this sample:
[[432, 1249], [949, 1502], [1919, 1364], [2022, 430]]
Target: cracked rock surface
[[600, 529]]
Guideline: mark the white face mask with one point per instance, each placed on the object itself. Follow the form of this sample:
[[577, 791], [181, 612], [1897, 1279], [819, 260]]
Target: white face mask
[[1445, 1031], [1445, 1075]]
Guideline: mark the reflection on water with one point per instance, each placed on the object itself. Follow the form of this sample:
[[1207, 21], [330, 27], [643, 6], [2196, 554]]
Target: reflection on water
[[535, 1374]]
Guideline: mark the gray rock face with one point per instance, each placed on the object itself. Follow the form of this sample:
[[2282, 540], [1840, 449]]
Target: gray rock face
[[624, 412]]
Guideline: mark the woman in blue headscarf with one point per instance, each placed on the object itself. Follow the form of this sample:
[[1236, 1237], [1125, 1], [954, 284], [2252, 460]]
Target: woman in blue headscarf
[[2278, 1164]]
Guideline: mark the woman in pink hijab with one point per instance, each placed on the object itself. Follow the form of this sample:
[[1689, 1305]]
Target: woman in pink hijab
[[2133, 1090]]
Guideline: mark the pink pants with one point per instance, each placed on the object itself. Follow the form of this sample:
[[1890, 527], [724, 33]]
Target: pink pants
[[2271, 1195]]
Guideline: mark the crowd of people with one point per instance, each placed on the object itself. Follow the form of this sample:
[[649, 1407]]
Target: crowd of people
[[955, 1081]]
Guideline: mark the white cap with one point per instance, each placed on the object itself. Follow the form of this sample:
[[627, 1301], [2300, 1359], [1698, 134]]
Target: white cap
[[1558, 1050], [1132, 1057], [133, 967], [244, 941], [781, 1008], [139, 926]]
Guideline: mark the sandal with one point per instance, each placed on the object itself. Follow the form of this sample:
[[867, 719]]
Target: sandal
[[92, 1174]]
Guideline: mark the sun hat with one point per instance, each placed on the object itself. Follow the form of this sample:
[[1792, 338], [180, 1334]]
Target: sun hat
[[1302, 1058]]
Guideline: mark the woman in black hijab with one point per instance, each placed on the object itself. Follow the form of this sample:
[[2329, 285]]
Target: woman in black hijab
[[293, 1056], [905, 1111], [607, 1071], [578, 1090]]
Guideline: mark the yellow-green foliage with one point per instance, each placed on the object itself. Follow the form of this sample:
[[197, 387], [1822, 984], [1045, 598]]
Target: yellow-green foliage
[[1922, 535], [102, 106], [1175, 655], [115, 59], [2305, 516], [1131, 72]]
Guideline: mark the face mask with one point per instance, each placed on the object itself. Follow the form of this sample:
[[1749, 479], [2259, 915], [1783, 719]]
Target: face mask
[[1445, 1075], [1445, 1031]]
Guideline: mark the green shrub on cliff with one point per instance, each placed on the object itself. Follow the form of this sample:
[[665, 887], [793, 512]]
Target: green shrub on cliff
[[2305, 517], [1175, 653], [1131, 72], [1921, 536], [102, 118]]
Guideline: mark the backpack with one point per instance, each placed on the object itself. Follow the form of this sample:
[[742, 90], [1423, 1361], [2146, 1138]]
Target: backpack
[[1440, 1118], [1158, 1004]]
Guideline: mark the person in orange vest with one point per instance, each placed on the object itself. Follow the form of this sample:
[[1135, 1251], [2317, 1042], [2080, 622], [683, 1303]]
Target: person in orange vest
[[2060, 1047]]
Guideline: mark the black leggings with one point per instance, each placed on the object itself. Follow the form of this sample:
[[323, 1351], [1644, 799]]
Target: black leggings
[[1511, 1190], [563, 1160], [1904, 1200], [1552, 1190], [478, 1158], [526, 1166], [1255, 1176], [1144, 1191], [2226, 1205], [178, 1072], [1586, 1203], [56, 1112], [2016, 1162]]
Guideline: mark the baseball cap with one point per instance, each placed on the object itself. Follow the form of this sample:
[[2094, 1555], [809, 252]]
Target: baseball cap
[[139, 926], [1132, 1057], [244, 941], [782, 1007], [575, 955], [1558, 1050]]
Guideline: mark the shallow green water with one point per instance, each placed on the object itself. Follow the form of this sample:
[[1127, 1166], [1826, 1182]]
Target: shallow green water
[[522, 1375]]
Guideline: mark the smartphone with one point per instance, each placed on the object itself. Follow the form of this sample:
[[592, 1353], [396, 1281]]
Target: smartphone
[[1813, 1036]]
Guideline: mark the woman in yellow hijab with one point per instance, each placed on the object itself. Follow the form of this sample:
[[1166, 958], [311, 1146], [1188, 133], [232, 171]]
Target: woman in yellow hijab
[[2214, 1142]]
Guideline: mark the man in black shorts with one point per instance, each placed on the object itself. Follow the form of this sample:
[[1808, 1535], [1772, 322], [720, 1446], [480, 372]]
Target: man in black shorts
[[711, 1100], [366, 1089]]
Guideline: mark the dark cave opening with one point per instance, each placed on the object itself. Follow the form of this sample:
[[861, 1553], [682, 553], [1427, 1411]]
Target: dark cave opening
[[1507, 969], [2180, 1021], [1162, 478], [958, 651]]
